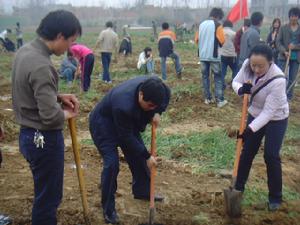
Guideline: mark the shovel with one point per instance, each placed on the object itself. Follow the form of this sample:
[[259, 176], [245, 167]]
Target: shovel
[[152, 179], [233, 198], [78, 169]]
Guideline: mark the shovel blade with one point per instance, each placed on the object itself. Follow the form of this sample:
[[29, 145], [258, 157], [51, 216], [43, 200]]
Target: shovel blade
[[233, 199]]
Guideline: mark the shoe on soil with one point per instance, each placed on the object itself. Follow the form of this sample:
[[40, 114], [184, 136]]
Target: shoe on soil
[[222, 103], [273, 206], [179, 74], [157, 198], [208, 101], [112, 219]]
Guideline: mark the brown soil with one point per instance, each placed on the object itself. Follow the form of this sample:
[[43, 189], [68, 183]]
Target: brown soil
[[189, 198]]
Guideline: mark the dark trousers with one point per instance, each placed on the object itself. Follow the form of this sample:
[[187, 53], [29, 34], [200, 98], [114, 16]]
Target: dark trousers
[[232, 63], [273, 132], [106, 58], [47, 167], [87, 71], [19, 42], [104, 137]]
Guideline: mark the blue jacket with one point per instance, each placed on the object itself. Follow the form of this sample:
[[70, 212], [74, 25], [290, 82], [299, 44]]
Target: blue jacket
[[122, 118]]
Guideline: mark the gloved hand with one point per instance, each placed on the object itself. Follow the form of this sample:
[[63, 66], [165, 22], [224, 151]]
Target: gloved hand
[[246, 134], [245, 89]]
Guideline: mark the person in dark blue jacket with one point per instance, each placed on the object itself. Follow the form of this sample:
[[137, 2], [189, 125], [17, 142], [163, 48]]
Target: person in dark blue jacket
[[117, 121]]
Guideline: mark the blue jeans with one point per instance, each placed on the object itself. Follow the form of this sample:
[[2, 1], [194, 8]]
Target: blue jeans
[[232, 63], [292, 74], [47, 167], [216, 69], [68, 74], [105, 139], [106, 58], [148, 68], [163, 64], [273, 132]]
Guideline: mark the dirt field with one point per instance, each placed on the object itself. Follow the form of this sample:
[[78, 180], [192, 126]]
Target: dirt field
[[190, 198]]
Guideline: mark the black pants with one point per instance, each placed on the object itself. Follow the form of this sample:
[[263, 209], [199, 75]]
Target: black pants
[[273, 132], [47, 167], [88, 66], [104, 137]]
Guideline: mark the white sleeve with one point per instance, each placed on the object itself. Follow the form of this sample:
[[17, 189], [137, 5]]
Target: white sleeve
[[240, 77], [274, 101]]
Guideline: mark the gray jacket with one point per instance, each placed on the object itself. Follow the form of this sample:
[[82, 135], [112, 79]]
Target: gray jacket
[[35, 88], [284, 39], [250, 38]]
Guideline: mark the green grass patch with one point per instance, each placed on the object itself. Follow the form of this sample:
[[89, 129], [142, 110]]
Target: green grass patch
[[87, 141], [292, 137], [254, 194], [206, 151]]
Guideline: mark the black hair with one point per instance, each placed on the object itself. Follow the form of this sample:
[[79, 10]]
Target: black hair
[[247, 22], [227, 23], [274, 21], [295, 11], [153, 90], [109, 24], [264, 50], [147, 49], [165, 26], [18, 24], [56, 22], [256, 18], [216, 13]]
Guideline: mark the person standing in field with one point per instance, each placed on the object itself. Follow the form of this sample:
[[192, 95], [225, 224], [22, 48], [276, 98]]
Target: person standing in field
[[251, 37], [288, 45], [238, 37], [228, 54], [41, 110], [272, 36], [108, 43], [166, 41], [211, 37], [19, 35]]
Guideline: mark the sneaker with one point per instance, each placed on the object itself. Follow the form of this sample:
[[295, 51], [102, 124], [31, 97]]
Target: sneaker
[[112, 219], [273, 206], [208, 101], [222, 103], [179, 76]]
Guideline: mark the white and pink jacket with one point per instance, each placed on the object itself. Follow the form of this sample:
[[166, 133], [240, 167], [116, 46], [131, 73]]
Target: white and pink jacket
[[270, 103]]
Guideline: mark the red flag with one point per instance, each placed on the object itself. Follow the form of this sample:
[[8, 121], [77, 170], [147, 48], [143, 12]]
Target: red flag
[[239, 11]]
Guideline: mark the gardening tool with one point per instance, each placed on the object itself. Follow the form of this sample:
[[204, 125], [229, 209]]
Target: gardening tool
[[232, 196], [152, 179], [153, 174], [78, 169], [287, 63]]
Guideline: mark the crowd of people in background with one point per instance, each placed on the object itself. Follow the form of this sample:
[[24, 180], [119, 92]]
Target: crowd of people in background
[[126, 110], [5, 41]]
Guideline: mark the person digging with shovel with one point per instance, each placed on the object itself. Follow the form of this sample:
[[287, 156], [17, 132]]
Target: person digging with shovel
[[268, 118], [118, 120]]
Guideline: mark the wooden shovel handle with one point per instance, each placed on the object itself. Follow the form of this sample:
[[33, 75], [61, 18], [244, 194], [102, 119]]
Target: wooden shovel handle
[[287, 63], [153, 169], [82, 187], [239, 143]]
